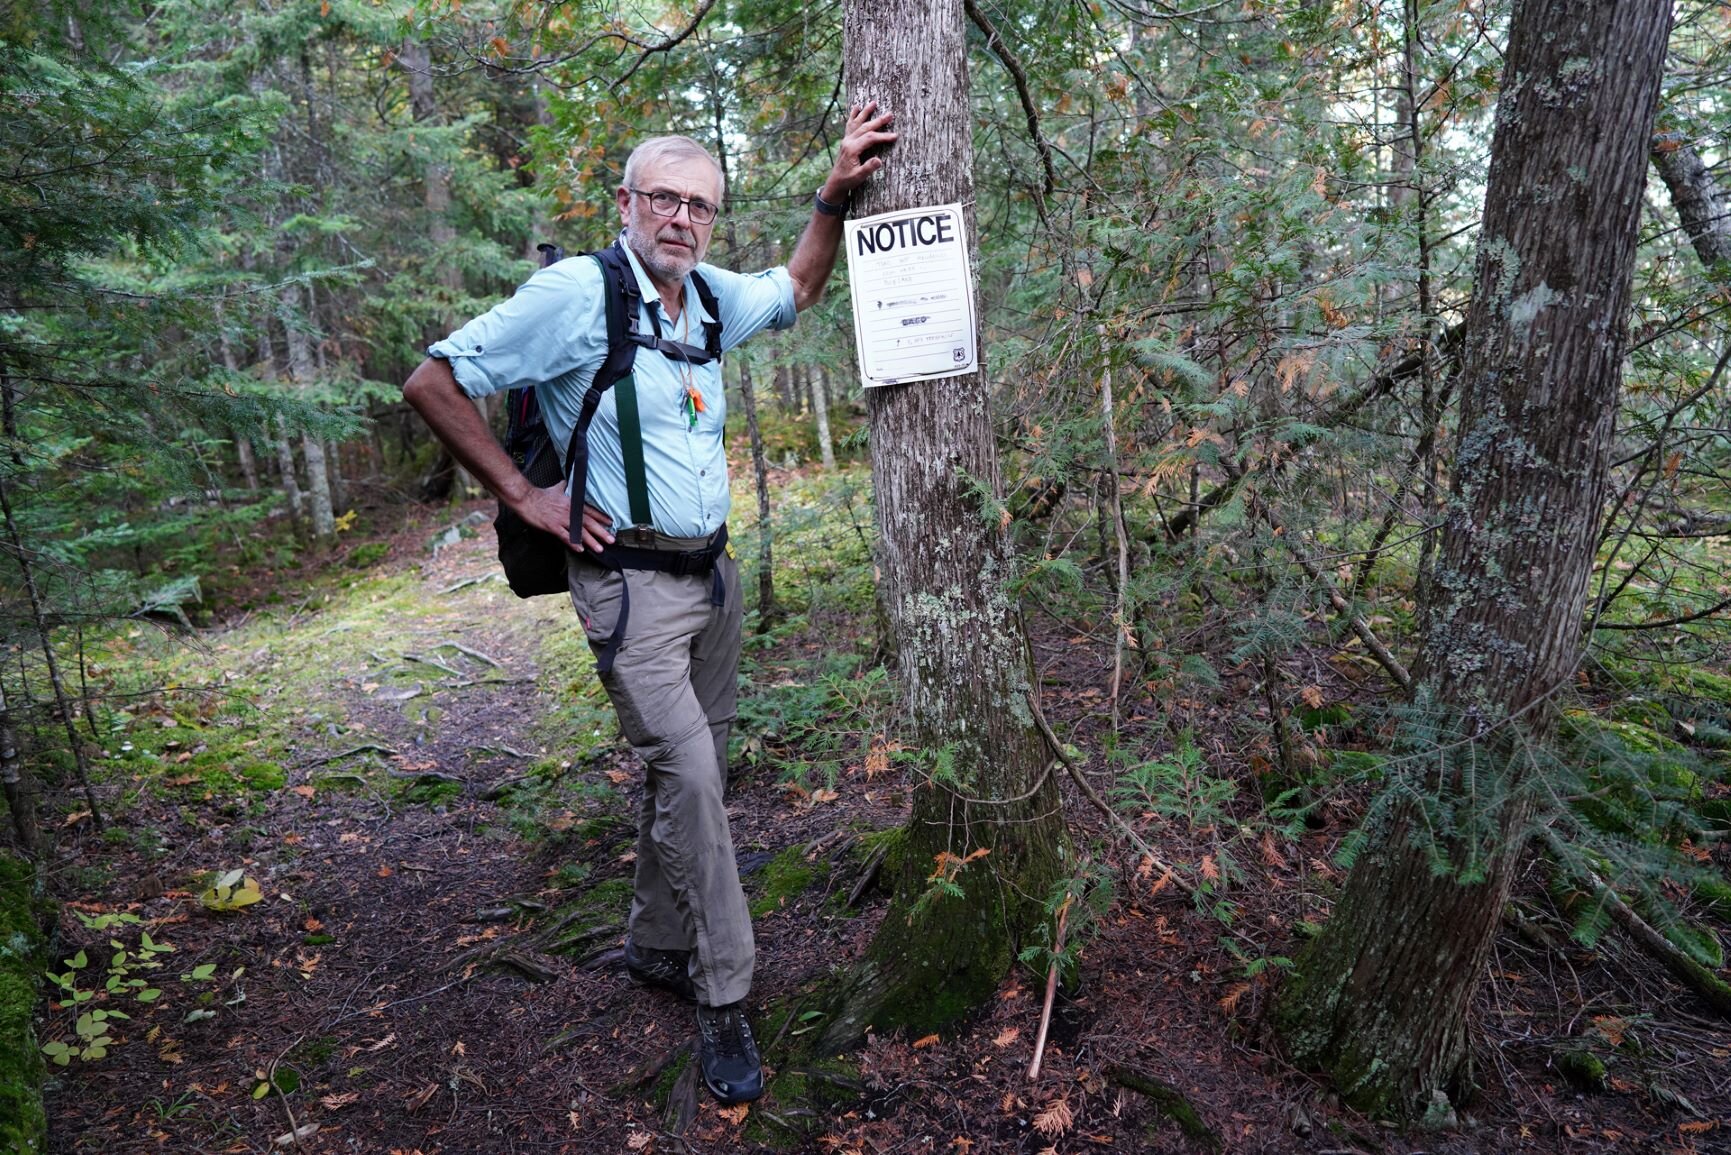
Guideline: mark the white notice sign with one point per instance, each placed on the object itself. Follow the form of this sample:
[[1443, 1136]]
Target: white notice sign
[[913, 295]]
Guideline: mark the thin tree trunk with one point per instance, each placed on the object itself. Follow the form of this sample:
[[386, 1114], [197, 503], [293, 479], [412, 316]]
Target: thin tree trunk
[[1381, 999], [820, 410], [417, 63], [766, 611], [17, 784], [1701, 205], [303, 372], [242, 446], [1121, 613], [285, 463], [39, 618], [988, 814]]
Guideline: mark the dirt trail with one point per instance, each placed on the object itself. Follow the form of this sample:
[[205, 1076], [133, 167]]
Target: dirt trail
[[394, 988]]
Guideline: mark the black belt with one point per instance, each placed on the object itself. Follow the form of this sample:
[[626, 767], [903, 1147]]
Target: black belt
[[680, 563]]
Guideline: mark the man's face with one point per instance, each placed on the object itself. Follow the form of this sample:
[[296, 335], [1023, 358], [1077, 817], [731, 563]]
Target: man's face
[[669, 247]]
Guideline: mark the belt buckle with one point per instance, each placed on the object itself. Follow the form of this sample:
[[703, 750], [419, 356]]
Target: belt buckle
[[641, 536]]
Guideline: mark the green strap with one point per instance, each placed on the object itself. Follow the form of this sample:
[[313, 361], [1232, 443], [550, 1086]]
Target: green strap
[[631, 449]]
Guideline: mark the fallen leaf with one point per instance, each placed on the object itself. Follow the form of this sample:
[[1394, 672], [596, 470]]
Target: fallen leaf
[[927, 1041], [232, 891], [304, 1131], [457, 1048], [618, 777], [384, 1042], [338, 1102], [385, 872], [824, 795], [1208, 870], [1007, 1036], [735, 1115], [421, 1098], [638, 1140], [1312, 696], [303, 791], [1233, 994], [1055, 1119]]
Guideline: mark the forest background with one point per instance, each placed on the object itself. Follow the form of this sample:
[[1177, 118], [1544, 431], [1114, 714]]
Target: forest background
[[1225, 258]]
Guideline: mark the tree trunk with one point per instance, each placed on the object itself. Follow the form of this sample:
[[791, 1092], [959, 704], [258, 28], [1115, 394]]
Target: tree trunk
[[820, 409], [760, 471], [1701, 205], [986, 814], [302, 372], [1381, 999], [17, 784], [242, 446], [417, 64]]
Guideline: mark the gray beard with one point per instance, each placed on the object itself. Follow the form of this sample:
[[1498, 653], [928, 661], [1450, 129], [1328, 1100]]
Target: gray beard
[[665, 269]]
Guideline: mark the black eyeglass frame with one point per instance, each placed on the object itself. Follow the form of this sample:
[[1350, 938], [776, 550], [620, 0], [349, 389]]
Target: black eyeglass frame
[[692, 205]]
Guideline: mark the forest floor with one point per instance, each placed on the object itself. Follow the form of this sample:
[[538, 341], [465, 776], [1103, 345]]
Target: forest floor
[[420, 775]]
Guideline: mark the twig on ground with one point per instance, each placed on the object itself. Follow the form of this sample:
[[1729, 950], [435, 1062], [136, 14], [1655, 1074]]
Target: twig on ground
[[476, 654], [467, 582], [364, 748], [1051, 990]]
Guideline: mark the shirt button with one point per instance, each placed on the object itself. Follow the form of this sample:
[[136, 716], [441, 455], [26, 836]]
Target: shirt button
[[703, 473], [477, 348]]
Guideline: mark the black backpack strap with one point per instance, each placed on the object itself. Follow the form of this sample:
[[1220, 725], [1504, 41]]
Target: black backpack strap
[[711, 327]]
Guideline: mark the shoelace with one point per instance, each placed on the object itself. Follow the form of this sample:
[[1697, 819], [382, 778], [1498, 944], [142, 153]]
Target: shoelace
[[728, 1031]]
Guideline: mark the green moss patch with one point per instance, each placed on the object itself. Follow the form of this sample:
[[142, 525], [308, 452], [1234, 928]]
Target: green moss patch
[[783, 879], [23, 1125]]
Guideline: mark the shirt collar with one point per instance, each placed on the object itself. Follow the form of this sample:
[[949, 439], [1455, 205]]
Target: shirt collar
[[652, 295]]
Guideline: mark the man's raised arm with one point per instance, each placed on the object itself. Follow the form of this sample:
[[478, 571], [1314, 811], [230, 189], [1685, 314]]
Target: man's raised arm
[[814, 257]]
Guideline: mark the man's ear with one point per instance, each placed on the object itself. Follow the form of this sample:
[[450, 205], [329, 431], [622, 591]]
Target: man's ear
[[623, 197]]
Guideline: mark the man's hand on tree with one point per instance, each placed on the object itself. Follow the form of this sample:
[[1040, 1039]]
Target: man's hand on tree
[[865, 131]]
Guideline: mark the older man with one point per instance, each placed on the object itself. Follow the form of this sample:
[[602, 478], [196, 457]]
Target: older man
[[668, 636]]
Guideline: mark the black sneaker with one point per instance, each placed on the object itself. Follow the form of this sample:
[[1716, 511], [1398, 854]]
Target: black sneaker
[[728, 1054], [668, 969]]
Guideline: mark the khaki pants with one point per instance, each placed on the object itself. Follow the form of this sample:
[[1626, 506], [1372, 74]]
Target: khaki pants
[[675, 684]]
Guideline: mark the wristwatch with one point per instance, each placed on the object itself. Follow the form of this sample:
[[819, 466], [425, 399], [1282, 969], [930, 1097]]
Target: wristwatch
[[827, 209]]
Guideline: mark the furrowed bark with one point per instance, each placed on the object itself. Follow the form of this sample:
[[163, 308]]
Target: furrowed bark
[[1381, 1000], [987, 817]]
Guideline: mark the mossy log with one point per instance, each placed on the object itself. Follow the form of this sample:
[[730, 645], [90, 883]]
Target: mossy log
[[1172, 1102]]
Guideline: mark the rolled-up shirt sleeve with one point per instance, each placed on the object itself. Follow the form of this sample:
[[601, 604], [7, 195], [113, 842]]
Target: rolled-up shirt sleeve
[[553, 325], [750, 303]]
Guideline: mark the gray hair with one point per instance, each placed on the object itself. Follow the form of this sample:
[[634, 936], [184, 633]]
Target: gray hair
[[668, 148]]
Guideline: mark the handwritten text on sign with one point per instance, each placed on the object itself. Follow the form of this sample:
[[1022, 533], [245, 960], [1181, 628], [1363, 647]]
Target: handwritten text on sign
[[913, 295]]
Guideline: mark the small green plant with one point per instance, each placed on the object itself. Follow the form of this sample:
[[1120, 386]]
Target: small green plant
[[126, 975], [1176, 787], [1079, 903]]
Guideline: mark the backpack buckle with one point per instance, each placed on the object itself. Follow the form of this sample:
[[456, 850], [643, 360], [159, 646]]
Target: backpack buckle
[[641, 536]]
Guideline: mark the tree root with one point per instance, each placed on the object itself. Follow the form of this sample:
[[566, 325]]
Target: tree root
[[1171, 1101]]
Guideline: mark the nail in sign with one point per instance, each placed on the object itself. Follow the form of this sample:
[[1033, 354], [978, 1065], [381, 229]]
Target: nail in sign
[[913, 295]]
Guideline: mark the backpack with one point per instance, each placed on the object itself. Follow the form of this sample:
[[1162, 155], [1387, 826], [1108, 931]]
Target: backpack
[[534, 560]]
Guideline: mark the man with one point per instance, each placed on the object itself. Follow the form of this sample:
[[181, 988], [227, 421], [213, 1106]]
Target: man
[[669, 655]]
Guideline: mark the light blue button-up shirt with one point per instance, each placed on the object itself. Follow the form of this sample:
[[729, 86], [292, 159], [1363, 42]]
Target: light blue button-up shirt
[[552, 334]]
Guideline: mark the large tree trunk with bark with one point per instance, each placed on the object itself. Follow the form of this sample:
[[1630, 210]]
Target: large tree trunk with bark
[[1381, 1001], [986, 816]]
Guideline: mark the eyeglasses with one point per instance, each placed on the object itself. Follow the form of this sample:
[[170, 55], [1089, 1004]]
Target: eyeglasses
[[665, 204]]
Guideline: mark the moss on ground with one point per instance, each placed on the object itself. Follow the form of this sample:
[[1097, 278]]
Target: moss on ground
[[23, 1125], [785, 877]]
